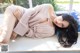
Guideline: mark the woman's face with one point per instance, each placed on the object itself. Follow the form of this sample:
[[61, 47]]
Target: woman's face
[[58, 21]]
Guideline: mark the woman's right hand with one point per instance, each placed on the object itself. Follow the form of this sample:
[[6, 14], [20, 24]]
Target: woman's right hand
[[14, 35]]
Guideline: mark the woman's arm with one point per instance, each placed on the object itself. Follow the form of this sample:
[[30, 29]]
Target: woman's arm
[[22, 26], [23, 22]]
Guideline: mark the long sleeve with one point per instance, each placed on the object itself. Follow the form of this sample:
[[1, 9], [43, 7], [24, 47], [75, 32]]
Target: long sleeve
[[22, 27]]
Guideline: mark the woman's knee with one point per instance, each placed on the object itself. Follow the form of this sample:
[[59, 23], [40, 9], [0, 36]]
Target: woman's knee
[[8, 9]]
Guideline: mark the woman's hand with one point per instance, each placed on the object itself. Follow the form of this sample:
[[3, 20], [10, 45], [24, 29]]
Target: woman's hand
[[17, 13], [13, 36]]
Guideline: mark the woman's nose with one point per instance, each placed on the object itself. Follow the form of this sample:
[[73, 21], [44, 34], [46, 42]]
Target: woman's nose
[[59, 22]]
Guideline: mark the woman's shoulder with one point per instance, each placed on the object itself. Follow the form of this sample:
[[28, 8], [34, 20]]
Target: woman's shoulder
[[48, 6]]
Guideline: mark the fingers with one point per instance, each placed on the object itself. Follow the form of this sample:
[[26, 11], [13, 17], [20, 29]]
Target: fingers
[[14, 35]]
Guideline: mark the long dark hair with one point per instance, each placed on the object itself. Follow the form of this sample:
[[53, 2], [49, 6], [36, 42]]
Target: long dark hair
[[67, 36]]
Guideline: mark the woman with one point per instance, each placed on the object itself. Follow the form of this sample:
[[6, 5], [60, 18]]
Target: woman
[[38, 22]]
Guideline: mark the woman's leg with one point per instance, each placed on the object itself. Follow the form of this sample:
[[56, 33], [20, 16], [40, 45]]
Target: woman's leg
[[9, 22]]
